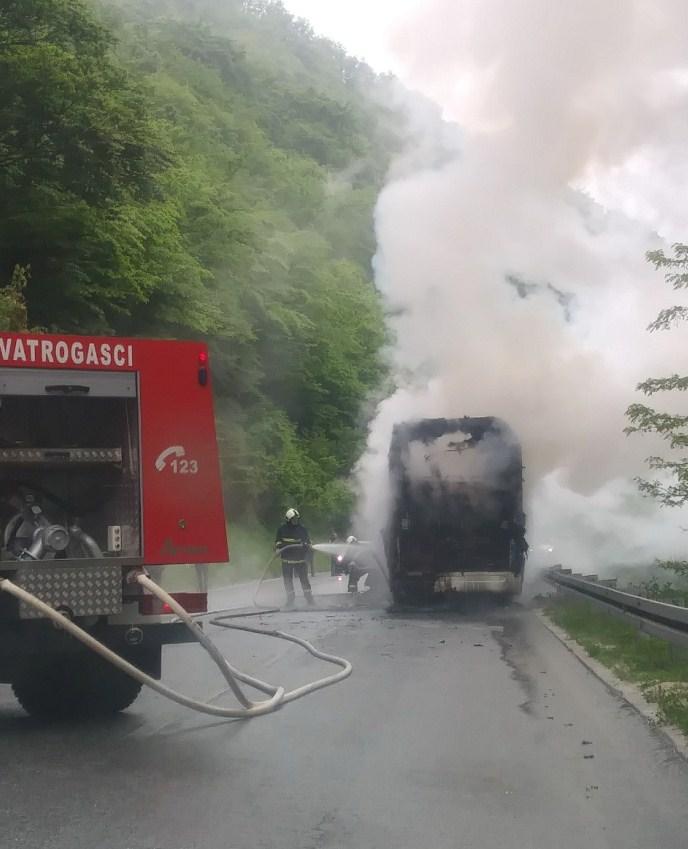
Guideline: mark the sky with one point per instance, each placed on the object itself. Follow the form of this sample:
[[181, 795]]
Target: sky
[[363, 27]]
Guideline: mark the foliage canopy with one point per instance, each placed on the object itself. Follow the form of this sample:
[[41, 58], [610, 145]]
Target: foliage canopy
[[670, 486], [191, 168]]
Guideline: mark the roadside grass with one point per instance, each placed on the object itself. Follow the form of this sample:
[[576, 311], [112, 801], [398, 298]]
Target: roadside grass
[[653, 581], [251, 547], [659, 668], [659, 590]]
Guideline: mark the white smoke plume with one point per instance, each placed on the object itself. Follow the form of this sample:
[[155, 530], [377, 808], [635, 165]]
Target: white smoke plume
[[514, 270]]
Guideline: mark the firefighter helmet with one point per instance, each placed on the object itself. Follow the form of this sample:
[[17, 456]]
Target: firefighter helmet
[[292, 514]]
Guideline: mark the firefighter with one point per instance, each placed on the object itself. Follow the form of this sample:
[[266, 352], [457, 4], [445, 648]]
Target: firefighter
[[354, 571], [294, 560]]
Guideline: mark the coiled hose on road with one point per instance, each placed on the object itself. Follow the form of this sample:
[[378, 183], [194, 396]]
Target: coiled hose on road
[[277, 696]]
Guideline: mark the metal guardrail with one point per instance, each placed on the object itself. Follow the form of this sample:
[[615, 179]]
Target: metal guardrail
[[667, 621]]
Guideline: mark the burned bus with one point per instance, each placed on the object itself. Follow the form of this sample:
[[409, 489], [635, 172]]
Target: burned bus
[[456, 522]]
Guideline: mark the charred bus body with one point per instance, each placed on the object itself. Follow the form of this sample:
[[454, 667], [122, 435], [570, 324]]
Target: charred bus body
[[456, 520]]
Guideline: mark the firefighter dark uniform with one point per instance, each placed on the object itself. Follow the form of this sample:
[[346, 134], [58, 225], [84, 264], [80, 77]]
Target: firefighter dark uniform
[[294, 560]]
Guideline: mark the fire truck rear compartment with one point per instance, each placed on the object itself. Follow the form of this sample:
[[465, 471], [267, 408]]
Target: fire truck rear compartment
[[69, 441]]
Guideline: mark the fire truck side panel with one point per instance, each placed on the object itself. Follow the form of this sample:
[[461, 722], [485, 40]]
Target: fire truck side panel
[[183, 513]]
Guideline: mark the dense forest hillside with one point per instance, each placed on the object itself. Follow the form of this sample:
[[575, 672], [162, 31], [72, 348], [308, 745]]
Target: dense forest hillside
[[205, 169]]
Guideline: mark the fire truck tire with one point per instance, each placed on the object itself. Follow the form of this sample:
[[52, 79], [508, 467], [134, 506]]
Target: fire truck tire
[[74, 686]]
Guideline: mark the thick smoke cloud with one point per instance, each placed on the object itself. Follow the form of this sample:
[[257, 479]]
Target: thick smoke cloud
[[514, 268]]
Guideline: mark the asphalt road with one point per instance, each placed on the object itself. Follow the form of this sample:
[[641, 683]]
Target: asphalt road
[[471, 729]]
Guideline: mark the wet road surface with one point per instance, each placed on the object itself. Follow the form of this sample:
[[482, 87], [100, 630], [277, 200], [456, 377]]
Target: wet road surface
[[472, 729]]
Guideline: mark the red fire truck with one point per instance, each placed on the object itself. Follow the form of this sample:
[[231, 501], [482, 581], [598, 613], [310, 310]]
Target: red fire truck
[[108, 463]]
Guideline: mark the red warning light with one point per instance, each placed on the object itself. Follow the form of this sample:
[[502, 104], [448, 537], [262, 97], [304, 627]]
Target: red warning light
[[203, 367]]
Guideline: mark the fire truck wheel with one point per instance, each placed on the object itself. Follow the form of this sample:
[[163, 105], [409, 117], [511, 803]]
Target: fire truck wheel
[[74, 686]]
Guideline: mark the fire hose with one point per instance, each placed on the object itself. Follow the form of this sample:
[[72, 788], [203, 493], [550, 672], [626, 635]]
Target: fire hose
[[277, 696]]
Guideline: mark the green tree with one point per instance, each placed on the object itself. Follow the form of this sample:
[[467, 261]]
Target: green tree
[[670, 487], [194, 168], [13, 312], [287, 242], [82, 199]]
